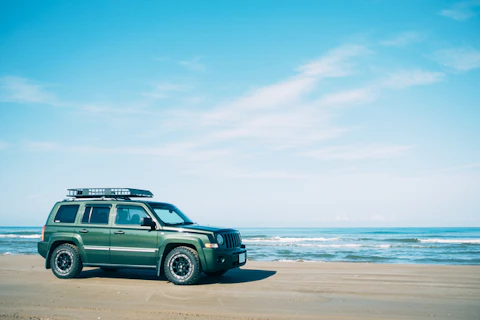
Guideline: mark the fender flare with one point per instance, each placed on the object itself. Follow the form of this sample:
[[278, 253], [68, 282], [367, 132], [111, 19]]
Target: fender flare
[[60, 238], [178, 242]]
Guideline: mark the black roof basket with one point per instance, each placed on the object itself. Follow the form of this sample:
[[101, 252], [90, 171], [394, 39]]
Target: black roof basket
[[117, 193]]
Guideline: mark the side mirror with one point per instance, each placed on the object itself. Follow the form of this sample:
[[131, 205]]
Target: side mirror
[[147, 222]]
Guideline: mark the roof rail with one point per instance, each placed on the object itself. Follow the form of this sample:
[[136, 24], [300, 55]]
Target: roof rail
[[118, 193]]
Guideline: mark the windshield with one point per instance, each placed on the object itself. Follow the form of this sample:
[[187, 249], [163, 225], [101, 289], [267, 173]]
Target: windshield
[[171, 216]]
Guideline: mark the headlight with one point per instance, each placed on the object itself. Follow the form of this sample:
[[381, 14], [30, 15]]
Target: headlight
[[219, 239]]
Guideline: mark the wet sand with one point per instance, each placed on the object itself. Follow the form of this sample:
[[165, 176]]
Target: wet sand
[[260, 290]]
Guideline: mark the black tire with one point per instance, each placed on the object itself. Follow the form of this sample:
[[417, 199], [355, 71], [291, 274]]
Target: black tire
[[215, 273], [182, 266], [66, 262], [108, 269]]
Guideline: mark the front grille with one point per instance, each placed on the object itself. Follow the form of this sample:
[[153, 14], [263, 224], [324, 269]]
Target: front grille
[[232, 240]]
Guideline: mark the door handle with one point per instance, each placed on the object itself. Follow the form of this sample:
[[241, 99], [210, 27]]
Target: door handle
[[119, 232], [83, 231]]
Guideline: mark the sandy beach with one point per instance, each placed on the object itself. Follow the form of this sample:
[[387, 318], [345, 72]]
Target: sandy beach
[[260, 290]]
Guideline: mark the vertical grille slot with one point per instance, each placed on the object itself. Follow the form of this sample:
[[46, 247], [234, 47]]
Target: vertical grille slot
[[232, 240]]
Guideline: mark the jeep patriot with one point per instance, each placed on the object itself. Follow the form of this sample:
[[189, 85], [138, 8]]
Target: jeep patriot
[[104, 227]]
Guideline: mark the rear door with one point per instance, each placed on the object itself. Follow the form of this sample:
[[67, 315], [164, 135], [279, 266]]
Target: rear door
[[131, 244], [95, 233]]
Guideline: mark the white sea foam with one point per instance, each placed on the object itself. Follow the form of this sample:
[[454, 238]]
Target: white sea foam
[[29, 236], [286, 260], [384, 246], [346, 245], [297, 260], [288, 239], [466, 241], [324, 245]]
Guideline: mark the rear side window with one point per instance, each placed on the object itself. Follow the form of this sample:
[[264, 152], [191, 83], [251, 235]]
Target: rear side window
[[96, 214], [66, 213]]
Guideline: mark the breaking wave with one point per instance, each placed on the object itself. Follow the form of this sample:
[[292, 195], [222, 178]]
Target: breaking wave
[[454, 241], [287, 239], [30, 236]]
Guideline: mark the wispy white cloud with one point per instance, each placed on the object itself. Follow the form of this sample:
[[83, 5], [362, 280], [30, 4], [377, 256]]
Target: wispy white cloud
[[407, 78], [403, 39], [234, 172], [26, 91], [349, 97], [280, 130], [287, 114], [23, 90], [335, 63], [194, 64], [462, 11], [357, 152], [273, 96], [192, 100], [163, 90], [141, 106], [283, 114], [187, 151], [102, 109], [204, 160], [41, 146], [399, 79], [459, 59]]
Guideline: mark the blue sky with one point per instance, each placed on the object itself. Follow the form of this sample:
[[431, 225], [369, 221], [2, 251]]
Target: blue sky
[[245, 113]]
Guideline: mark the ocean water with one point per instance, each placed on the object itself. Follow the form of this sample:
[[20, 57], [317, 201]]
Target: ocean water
[[373, 245], [19, 240]]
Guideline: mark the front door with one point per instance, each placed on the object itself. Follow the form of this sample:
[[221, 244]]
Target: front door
[[130, 243], [95, 233]]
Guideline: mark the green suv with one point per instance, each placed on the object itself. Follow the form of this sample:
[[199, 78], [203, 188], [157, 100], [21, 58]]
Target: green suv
[[104, 228]]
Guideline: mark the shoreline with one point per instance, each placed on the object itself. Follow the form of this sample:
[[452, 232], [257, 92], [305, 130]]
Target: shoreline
[[8, 254], [388, 245], [260, 290]]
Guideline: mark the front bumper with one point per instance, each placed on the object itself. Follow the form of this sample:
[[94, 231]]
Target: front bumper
[[224, 259]]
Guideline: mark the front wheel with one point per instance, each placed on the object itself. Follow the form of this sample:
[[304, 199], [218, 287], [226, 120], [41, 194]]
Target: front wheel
[[182, 266], [215, 273], [66, 262]]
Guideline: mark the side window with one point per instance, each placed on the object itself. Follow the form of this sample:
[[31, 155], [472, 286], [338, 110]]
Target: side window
[[168, 216], [67, 213], [96, 214], [130, 215]]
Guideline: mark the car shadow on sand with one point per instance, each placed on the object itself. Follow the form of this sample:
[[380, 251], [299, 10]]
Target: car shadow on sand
[[232, 276], [238, 276]]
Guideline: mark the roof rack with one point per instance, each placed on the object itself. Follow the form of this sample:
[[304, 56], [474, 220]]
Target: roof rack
[[117, 193]]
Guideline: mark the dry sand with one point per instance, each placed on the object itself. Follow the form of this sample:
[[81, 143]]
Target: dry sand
[[260, 290]]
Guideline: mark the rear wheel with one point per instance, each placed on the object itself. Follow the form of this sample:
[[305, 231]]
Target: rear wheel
[[215, 273], [182, 266], [66, 262]]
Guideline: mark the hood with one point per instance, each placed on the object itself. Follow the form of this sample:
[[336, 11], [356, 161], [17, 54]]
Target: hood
[[196, 227]]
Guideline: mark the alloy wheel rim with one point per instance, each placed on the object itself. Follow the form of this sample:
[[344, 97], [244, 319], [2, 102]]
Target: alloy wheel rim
[[64, 262], [181, 266]]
